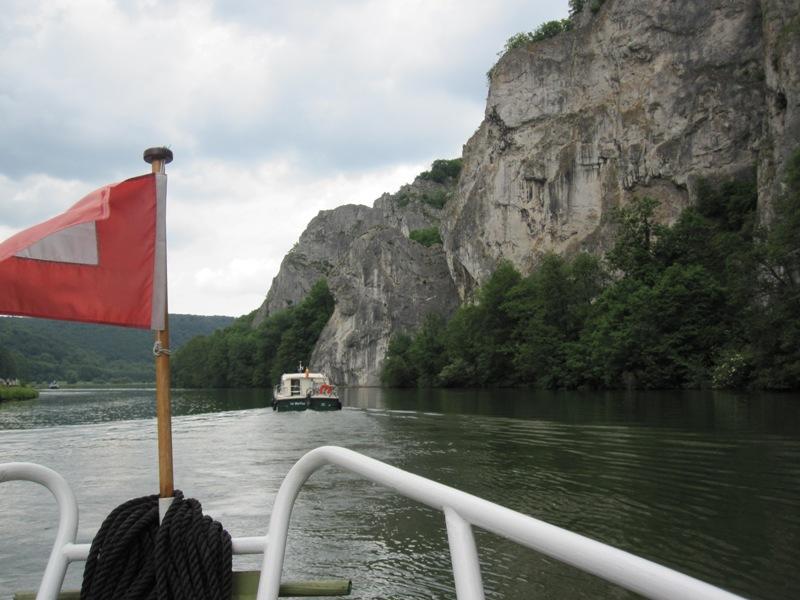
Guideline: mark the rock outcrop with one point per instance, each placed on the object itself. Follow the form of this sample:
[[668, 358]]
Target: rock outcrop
[[640, 98], [385, 283], [382, 280]]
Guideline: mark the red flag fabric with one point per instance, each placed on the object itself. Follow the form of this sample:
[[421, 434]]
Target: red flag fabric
[[101, 261]]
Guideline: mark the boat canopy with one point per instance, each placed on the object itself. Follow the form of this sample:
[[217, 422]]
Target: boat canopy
[[287, 376]]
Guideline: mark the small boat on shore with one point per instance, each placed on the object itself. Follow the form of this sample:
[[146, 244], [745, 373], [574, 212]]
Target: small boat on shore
[[305, 390]]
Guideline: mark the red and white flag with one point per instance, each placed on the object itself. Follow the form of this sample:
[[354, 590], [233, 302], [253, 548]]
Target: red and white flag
[[102, 261]]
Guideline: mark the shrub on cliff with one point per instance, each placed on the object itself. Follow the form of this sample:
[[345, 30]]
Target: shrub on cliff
[[426, 237], [576, 6], [442, 170], [544, 31]]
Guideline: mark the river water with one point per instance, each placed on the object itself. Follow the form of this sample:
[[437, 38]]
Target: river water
[[707, 483]]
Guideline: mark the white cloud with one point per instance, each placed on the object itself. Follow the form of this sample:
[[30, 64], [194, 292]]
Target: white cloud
[[229, 227], [35, 198]]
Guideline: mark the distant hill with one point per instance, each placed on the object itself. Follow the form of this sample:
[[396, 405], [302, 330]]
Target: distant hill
[[43, 350]]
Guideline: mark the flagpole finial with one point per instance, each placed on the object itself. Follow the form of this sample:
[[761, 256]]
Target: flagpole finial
[[159, 153]]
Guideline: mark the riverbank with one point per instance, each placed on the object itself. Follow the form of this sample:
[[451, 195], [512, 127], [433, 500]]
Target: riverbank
[[18, 392]]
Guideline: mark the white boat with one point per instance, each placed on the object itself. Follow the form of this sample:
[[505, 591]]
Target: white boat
[[305, 390]]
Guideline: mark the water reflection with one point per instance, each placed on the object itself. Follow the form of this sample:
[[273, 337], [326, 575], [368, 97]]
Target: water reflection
[[697, 410]]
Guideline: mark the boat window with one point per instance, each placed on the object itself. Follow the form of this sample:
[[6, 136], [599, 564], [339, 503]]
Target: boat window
[[295, 386]]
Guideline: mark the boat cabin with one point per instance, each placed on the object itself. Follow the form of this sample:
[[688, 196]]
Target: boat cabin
[[300, 384]]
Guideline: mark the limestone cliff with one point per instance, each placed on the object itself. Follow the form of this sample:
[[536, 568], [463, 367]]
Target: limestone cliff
[[641, 97], [385, 283], [381, 279]]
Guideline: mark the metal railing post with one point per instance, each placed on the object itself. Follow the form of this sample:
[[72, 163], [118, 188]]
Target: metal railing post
[[56, 567], [464, 555]]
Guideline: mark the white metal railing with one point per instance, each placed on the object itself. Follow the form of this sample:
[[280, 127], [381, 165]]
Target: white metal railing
[[461, 512]]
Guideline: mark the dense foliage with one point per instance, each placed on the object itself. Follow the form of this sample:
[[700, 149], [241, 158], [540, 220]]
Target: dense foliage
[[41, 350], [713, 300], [544, 31], [18, 393], [443, 169], [241, 356], [444, 172], [427, 237]]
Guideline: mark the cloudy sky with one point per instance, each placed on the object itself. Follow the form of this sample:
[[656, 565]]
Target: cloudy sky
[[275, 110]]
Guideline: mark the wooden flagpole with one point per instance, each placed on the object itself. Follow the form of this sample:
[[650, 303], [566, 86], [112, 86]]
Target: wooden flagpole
[[158, 159]]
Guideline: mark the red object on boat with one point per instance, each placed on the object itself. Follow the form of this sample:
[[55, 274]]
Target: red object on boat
[[101, 261]]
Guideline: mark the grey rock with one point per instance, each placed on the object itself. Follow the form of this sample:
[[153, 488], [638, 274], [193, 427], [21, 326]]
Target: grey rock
[[642, 98], [316, 254], [386, 283], [381, 280]]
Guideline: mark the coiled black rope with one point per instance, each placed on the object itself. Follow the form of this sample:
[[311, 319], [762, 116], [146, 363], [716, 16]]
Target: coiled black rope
[[189, 556]]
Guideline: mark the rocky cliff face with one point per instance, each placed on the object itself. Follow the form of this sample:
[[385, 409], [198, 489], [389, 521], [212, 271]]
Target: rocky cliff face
[[781, 59], [381, 279], [643, 97], [385, 283]]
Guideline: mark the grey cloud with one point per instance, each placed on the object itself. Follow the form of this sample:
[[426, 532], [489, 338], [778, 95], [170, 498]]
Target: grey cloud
[[51, 126]]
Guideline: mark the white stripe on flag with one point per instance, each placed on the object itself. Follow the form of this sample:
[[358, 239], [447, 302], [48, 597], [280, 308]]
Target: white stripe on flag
[[76, 244], [157, 316]]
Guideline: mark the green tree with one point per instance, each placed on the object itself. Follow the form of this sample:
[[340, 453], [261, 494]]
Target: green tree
[[241, 356], [397, 370], [575, 7], [427, 351], [190, 364], [464, 347], [241, 359], [308, 319], [547, 311], [426, 237], [632, 253], [8, 366], [443, 169], [776, 326]]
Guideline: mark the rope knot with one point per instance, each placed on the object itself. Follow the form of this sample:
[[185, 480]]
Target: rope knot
[[158, 350]]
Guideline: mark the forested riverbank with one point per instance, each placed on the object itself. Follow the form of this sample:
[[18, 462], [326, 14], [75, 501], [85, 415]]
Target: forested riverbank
[[712, 301], [44, 350], [242, 356], [17, 392]]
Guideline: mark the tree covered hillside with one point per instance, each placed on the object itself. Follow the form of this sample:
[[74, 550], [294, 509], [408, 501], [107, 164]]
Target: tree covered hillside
[[41, 350], [241, 356]]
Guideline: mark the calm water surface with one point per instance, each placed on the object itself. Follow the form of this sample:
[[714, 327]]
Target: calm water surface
[[706, 483]]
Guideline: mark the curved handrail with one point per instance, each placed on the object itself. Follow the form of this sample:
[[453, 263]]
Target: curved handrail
[[617, 566], [56, 567], [461, 511]]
